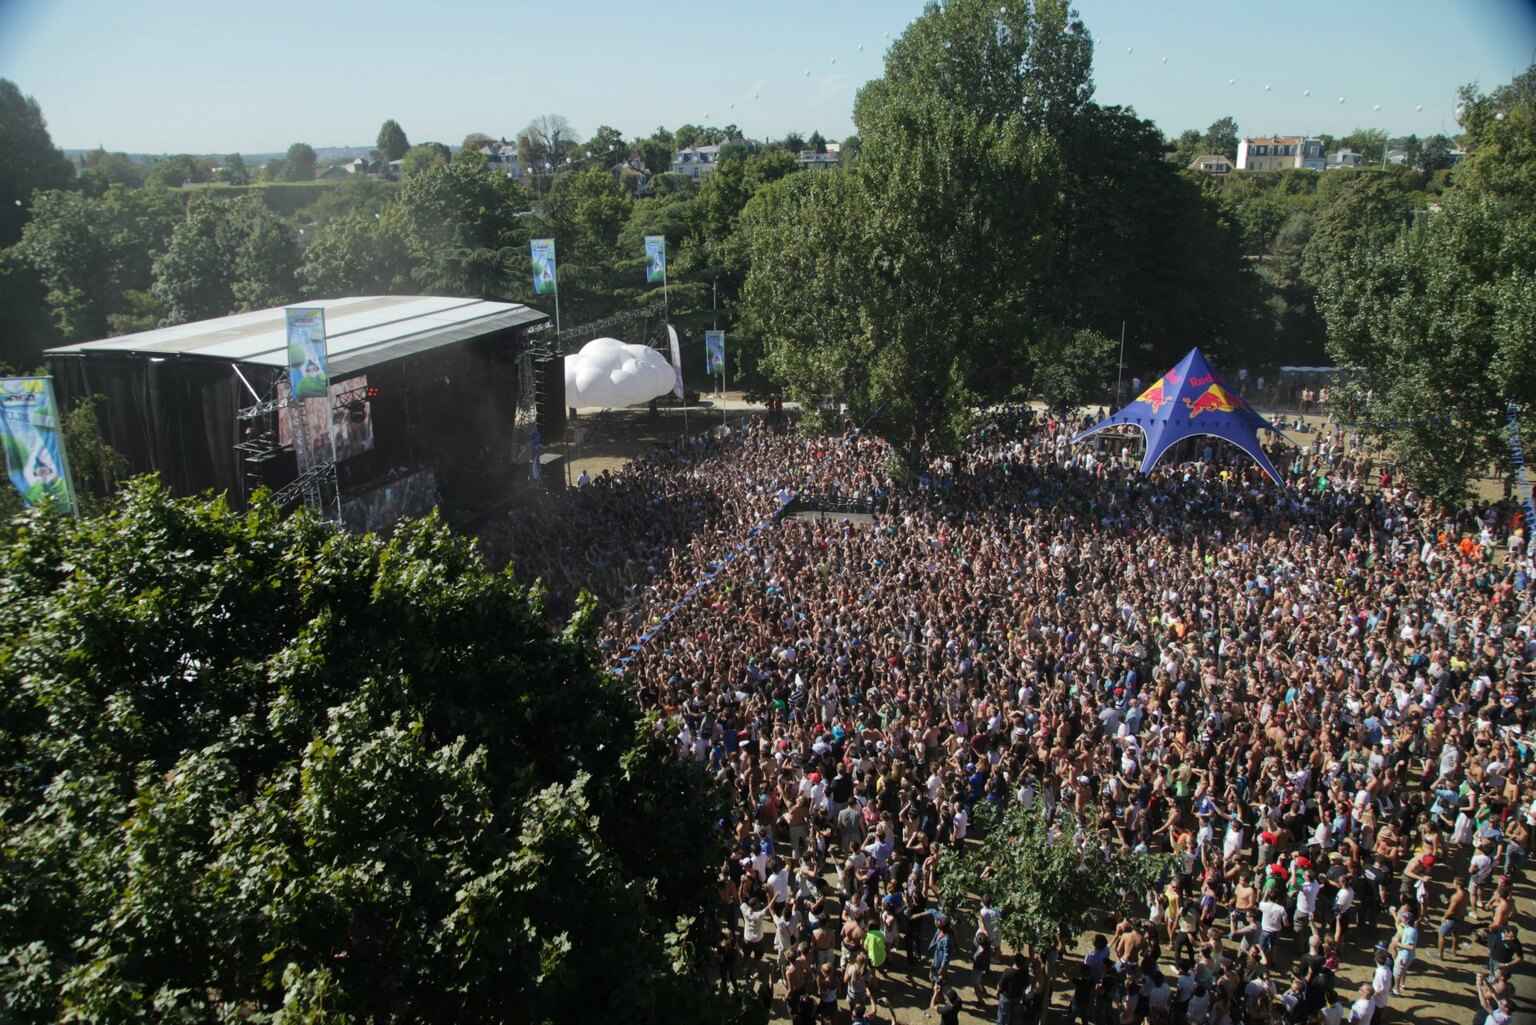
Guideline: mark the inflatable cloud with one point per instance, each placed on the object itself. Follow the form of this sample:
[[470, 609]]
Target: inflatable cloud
[[608, 372]]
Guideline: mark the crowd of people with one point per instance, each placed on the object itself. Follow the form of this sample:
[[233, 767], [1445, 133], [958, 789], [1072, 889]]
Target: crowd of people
[[1316, 700]]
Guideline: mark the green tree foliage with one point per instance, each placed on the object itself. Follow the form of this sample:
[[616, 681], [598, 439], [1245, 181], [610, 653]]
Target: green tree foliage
[[104, 170], [299, 164], [1365, 212], [93, 254], [258, 770], [1221, 138], [422, 156], [1370, 143], [817, 143], [1435, 155], [25, 328], [474, 140], [657, 154], [358, 254], [462, 229], [1140, 242], [1075, 369], [234, 171], [607, 147], [1441, 322], [225, 257], [794, 142], [1048, 879], [174, 172], [1500, 138], [960, 179], [28, 159], [392, 143], [1183, 150]]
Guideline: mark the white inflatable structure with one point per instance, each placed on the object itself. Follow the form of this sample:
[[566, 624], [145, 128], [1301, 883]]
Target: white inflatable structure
[[608, 373]]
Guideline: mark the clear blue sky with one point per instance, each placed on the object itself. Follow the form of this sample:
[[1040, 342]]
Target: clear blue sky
[[208, 77]]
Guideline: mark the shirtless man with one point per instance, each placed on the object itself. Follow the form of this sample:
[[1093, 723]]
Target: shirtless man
[[1128, 944], [1453, 924]]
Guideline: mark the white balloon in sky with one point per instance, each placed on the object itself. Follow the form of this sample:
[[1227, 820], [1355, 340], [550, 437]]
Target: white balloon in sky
[[807, 72], [1376, 107], [1306, 92], [1231, 81], [1419, 108], [1165, 60], [1266, 88], [1341, 99], [861, 47], [834, 60], [1130, 49]]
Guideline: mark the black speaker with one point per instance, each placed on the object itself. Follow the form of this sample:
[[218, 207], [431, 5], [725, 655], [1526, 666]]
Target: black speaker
[[551, 391]]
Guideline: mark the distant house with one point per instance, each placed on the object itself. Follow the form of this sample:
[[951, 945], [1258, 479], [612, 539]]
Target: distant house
[[633, 175], [1344, 158], [810, 160], [1211, 163], [1397, 157], [1280, 153], [696, 161], [502, 156]]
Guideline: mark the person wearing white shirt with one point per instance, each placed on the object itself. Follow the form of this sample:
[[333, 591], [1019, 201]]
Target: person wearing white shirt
[[1363, 1010], [1271, 922], [1381, 981]]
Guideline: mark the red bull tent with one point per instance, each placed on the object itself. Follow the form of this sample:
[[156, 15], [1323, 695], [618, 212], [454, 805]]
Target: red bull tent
[[1187, 401]]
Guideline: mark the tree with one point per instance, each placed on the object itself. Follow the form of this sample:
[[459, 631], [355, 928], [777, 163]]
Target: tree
[[1499, 135], [475, 140], [28, 159], [1365, 214], [299, 164], [424, 156], [234, 171], [1440, 324], [1221, 137], [548, 139], [358, 253], [794, 142], [1189, 145], [1435, 154], [174, 172], [293, 774], [225, 257], [1370, 143], [817, 143], [1049, 879], [1073, 369], [607, 147], [392, 143], [92, 253], [103, 170], [902, 285], [462, 229], [851, 147], [657, 155]]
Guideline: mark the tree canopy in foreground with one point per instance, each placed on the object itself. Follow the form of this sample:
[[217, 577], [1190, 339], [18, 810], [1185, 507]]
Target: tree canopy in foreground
[[257, 770]]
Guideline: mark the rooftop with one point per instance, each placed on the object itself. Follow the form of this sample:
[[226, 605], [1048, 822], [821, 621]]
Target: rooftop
[[361, 331]]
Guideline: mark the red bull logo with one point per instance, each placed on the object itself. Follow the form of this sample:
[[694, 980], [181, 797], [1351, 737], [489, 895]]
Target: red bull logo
[[1214, 399], [1161, 392]]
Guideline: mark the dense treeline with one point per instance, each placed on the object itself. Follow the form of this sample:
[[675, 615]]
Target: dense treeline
[[257, 770]]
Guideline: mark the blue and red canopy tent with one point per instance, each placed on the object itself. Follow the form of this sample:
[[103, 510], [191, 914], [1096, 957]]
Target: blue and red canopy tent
[[1188, 401]]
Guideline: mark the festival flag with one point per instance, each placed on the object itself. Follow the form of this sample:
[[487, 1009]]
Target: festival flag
[[655, 259], [714, 352], [309, 375], [545, 281], [35, 458]]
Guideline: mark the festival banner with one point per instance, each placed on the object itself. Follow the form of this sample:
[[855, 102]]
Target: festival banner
[[677, 363], [34, 444], [309, 375], [655, 259], [714, 352], [544, 280]]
